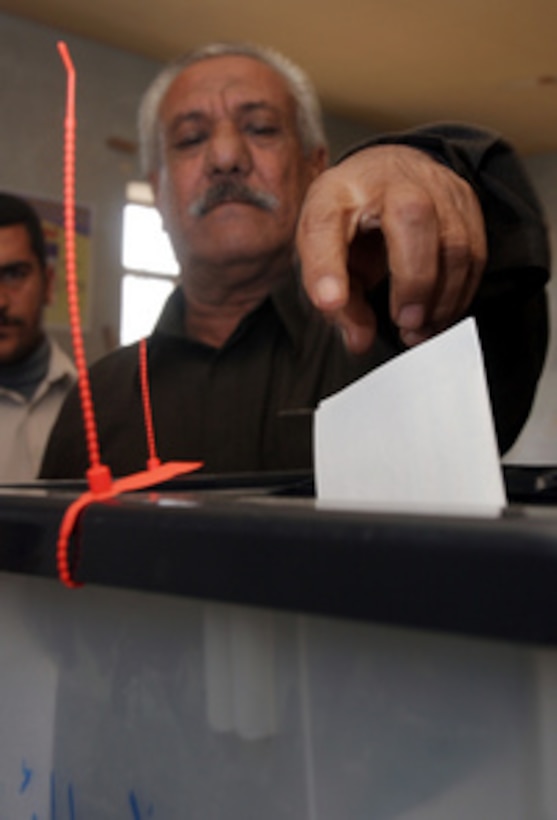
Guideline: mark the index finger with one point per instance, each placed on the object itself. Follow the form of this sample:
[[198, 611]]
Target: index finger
[[323, 237]]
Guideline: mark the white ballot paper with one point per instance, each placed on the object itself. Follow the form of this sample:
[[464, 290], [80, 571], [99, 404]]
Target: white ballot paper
[[416, 434]]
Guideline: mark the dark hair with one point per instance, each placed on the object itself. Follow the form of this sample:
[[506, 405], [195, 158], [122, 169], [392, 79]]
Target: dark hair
[[16, 211]]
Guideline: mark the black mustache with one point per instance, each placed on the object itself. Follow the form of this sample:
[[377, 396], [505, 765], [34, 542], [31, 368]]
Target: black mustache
[[10, 321], [231, 190]]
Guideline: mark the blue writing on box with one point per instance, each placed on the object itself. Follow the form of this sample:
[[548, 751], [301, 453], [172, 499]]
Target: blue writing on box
[[63, 800]]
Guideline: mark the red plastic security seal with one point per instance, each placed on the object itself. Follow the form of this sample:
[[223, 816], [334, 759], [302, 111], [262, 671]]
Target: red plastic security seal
[[102, 486]]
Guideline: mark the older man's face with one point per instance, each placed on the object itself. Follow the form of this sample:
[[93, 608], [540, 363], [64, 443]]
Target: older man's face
[[233, 173]]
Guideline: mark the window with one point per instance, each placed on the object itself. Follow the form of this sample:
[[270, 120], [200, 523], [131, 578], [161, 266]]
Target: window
[[150, 267]]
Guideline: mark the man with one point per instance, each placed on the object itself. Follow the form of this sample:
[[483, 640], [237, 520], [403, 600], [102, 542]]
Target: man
[[35, 375], [396, 243]]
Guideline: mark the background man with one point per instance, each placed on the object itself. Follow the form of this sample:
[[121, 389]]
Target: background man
[[35, 375], [397, 242]]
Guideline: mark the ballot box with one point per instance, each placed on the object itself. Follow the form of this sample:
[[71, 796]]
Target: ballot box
[[239, 652]]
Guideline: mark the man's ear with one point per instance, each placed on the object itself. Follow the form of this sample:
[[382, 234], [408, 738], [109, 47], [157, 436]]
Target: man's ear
[[154, 181], [318, 161]]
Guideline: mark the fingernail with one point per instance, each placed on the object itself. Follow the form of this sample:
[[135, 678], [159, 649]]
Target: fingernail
[[411, 338], [327, 291], [369, 221], [411, 317]]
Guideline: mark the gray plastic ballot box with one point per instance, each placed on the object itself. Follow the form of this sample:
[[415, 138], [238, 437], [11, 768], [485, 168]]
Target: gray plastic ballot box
[[186, 697]]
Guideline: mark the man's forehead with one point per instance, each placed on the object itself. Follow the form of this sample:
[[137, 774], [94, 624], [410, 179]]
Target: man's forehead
[[15, 246], [15, 238], [239, 79]]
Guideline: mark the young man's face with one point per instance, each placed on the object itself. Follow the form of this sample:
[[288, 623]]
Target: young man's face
[[233, 173], [25, 289]]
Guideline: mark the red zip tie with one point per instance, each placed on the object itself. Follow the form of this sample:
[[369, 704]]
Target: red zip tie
[[101, 484], [153, 459], [98, 475], [137, 481]]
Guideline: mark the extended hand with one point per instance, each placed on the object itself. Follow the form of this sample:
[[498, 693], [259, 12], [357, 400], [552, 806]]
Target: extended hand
[[391, 209]]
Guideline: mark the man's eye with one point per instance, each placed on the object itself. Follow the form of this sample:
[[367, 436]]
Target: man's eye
[[190, 140], [14, 274], [262, 129]]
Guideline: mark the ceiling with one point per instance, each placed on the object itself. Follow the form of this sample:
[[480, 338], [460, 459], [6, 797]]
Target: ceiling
[[392, 63]]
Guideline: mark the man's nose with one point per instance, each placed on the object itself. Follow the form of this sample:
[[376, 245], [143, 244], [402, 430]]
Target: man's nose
[[228, 151]]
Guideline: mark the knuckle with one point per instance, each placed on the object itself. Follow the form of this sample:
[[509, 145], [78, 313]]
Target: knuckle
[[316, 213], [414, 208], [457, 252]]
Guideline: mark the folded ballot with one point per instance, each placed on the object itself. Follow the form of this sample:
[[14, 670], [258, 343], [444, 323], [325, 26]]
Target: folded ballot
[[415, 435]]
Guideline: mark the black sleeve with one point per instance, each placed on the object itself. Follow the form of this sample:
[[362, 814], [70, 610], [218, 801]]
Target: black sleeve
[[511, 304]]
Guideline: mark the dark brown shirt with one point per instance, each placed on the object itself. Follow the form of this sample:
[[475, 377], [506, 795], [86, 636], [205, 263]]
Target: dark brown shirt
[[248, 405], [245, 406]]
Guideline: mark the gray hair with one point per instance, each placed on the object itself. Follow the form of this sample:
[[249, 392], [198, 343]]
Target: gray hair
[[309, 116]]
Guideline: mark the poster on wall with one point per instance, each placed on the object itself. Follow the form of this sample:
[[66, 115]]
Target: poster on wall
[[52, 218]]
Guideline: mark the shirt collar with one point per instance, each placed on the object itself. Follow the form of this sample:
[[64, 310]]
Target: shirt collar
[[287, 299], [60, 369], [60, 366], [25, 375], [171, 319], [293, 308]]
